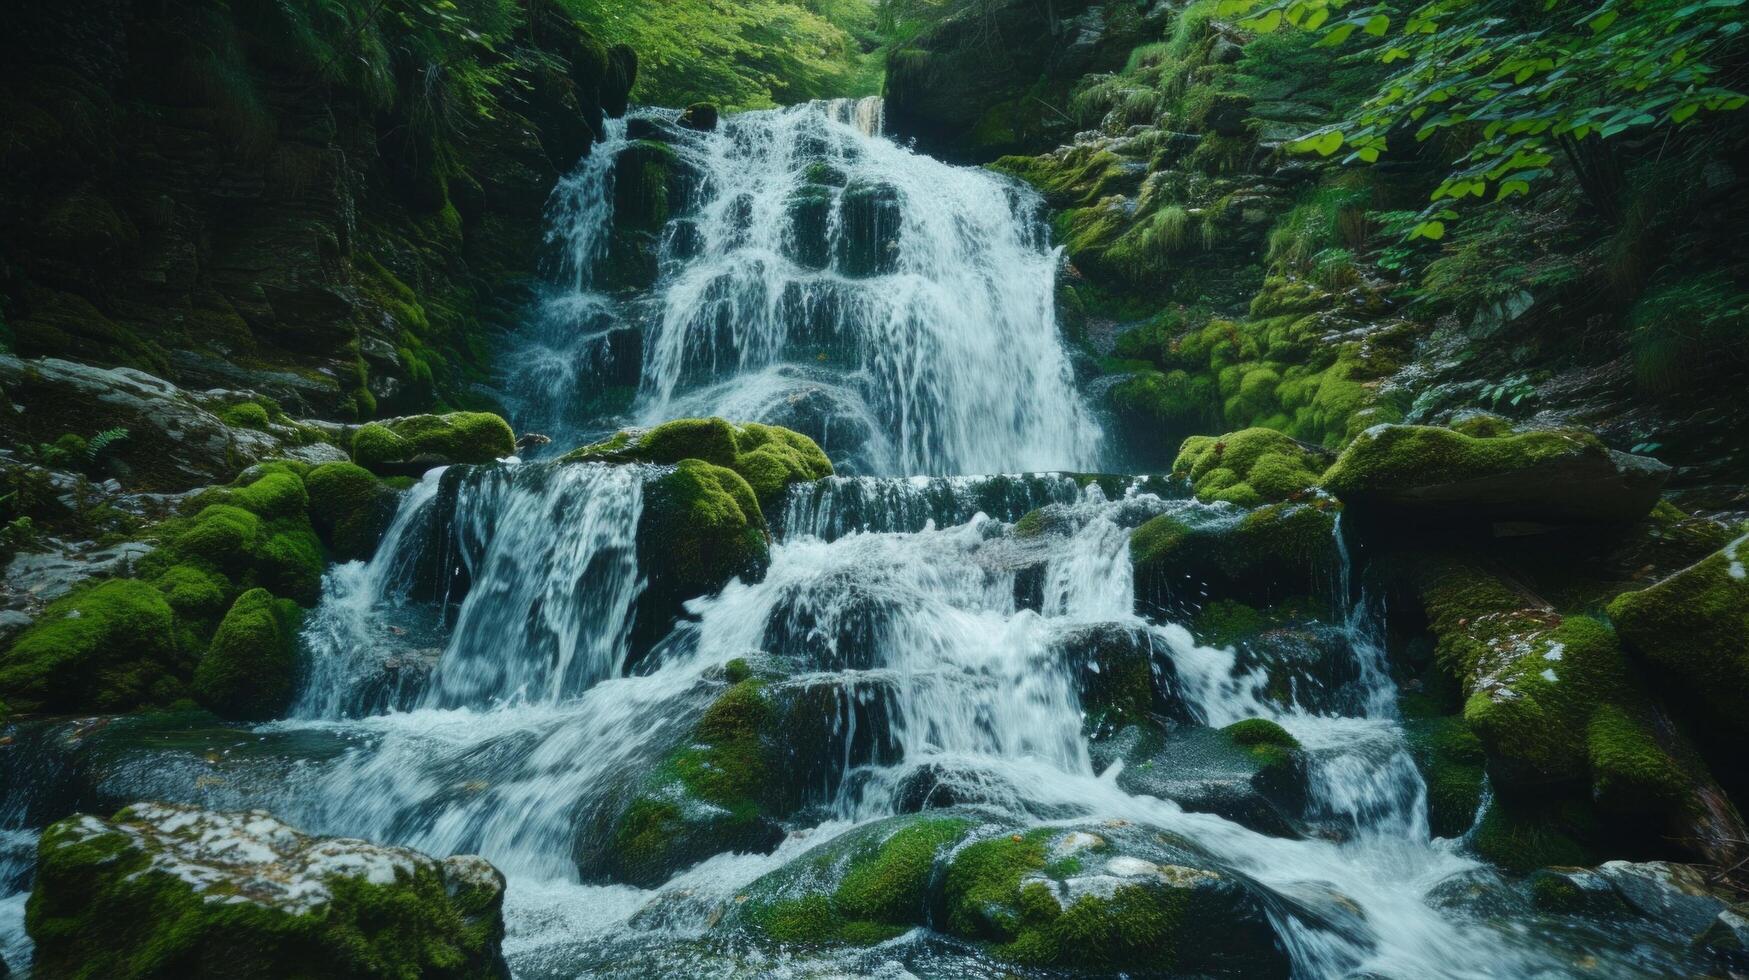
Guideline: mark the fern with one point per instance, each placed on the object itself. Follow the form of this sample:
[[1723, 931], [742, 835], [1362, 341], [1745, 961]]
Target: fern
[[98, 444]]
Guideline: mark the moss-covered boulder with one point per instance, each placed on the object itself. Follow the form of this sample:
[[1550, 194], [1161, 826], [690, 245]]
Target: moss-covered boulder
[[350, 509], [768, 457], [701, 527], [249, 671], [1249, 467], [163, 890], [1275, 551], [1692, 630], [865, 887], [1555, 476], [708, 796], [109, 647], [1562, 715], [1254, 778], [1082, 900], [409, 446], [1452, 764]]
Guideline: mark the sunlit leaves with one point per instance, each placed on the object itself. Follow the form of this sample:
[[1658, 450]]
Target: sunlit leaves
[[1506, 89]]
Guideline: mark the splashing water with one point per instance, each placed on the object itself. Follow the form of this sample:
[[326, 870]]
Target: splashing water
[[469, 688], [899, 310]]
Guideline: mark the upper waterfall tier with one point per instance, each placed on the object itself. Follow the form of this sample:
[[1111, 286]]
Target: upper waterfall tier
[[793, 267]]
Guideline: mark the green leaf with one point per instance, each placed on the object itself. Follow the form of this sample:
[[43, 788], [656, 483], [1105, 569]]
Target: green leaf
[[1377, 25], [1265, 23], [1336, 35], [1682, 112], [1430, 230]]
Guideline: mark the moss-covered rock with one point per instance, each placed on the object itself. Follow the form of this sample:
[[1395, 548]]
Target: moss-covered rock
[[163, 890], [349, 508], [109, 647], [416, 443], [1556, 476], [864, 888], [708, 796], [1692, 629], [249, 671], [1159, 913], [768, 457], [701, 527], [1452, 765], [1562, 714], [1275, 551], [1248, 468]]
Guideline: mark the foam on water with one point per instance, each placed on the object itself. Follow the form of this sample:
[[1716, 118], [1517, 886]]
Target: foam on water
[[943, 356]]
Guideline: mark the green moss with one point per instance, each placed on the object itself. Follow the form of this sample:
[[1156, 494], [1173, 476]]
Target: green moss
[[883, 891], [889, 885], [1693, 628], [708, 521], [375, 444], [1259, 733], [458, 437], [1452, 763], [193, 593], [108, 647], [1523, 839], [1248, 468], [275, 494], [1275, 551], [349, 508], [249, 671], [289, 560], [769, 458], [1223, 622], [982, 886], [110, 903], [221, 536], [1403, 457], [246, 415]]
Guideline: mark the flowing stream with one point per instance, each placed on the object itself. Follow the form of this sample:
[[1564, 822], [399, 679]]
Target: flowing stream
[[474, 687]]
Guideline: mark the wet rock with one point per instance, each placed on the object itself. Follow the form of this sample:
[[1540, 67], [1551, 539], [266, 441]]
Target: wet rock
[[1098, 898], [123, 896], [870, 218], [701, 116], [1276, 551], [1204, 770], [1425, 472]]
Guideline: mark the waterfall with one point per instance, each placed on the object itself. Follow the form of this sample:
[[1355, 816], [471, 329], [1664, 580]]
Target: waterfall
[[471, 688], [813, 275]]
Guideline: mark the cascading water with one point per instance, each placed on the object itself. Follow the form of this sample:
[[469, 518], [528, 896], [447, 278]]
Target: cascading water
[[813, 275], [473, 687]]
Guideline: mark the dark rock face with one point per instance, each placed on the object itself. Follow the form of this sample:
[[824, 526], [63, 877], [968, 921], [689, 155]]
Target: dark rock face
[[179, 195], [987, 82]]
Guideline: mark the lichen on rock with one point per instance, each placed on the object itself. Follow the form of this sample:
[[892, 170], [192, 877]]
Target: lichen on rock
[[164, 890]]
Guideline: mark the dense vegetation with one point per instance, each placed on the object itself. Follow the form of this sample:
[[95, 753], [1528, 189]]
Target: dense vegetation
[[1446, 305]]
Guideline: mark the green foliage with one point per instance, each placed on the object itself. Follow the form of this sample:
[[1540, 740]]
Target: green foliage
[[746, 55], [1687, 330], [1512, 86]]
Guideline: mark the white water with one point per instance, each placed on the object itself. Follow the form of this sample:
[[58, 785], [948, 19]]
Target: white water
[[944, 358], [469, 689]]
